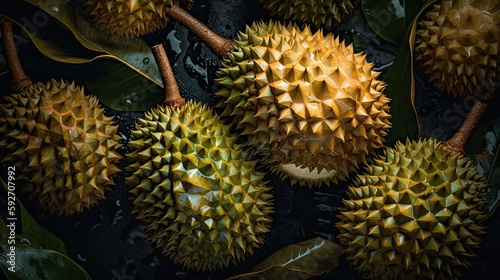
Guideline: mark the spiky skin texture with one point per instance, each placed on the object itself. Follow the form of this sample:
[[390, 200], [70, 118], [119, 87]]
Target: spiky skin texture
[[132, 18], [308, 104], [416, 213], [195, 191], [319, 13], [62, 145], [458, 45]]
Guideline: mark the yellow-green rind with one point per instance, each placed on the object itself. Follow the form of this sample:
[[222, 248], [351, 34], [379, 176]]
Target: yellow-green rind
[[62, 145], [132, 18], [303, 99], [318, 13], [416, 213], [195, 191], [458, 45]]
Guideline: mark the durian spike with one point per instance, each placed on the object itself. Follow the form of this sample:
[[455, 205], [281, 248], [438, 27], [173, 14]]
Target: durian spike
[[219, 45], [19, 79], [457, 141], [173, 97]]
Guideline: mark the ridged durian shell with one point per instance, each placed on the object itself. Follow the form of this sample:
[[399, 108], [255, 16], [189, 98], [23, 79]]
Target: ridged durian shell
[[416, 213], [194, 190], [62, 145], [319, 13], [307, 102], [458, 45], [132, 18]]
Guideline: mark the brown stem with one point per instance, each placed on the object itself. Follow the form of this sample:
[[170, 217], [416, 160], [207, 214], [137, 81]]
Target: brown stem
[[173, 96], [457, 142], [19, 79], [219, 45]]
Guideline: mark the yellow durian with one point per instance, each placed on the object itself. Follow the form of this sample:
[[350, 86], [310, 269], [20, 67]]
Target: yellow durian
[[458, 45], [416, 213], [61, 143], [195, 191], [132, 18], [308, 104], [320, 13], [59, 139]]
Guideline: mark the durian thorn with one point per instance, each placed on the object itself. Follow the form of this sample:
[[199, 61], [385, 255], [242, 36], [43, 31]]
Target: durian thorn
[[457, 141], [19, 79], [173, 96], [218, 44]]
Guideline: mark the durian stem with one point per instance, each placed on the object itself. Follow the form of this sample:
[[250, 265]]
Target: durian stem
[[457, 142], [19, 79], [173, 96], [219, 45]]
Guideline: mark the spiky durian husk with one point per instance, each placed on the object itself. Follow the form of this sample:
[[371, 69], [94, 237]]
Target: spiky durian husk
[[325, 14], [195, 191], [132, 18], [307, 102], [62, 145], [416, 213], [458, 44]]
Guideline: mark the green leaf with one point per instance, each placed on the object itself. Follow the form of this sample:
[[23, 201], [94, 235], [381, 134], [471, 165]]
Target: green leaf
[[304, 260], [401, 88], [35, 253], [30, 263], [68, 38], [485, 148], [390, 19], [44, 238], [125, 90], [129, 51]]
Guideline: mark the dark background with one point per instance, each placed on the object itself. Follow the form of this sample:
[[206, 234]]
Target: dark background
[[109, 243]]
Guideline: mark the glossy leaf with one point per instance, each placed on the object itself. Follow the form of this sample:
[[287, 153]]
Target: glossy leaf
[[401, 88], [129, 65], [33, 264], [484, 149], [29, 226], [391, 19], [129, 51], [304, 260]]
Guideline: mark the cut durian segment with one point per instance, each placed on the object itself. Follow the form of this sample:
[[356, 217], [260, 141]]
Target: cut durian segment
[[132, 18], [458, 45], [62, 143], [195, 191], [415, 213], [320, 13], [302, 175], [303, 98]]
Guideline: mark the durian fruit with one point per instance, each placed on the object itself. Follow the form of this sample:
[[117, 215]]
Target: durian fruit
[[308, 104], [59, 139], [132, 18], [196, 192], [458, 45], [416, 213], [62, 144], [319, 13]]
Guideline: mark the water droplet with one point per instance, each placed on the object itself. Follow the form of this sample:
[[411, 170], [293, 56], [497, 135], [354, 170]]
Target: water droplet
[[24, 241], [145, 60]]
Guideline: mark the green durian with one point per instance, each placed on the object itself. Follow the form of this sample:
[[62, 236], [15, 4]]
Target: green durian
[[319, 13], [132, 18], [458, 45], [195, 191], [416, 213], [62, 145], [308, 104]]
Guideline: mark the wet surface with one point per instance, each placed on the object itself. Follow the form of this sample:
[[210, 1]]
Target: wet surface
[[109, 243]]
